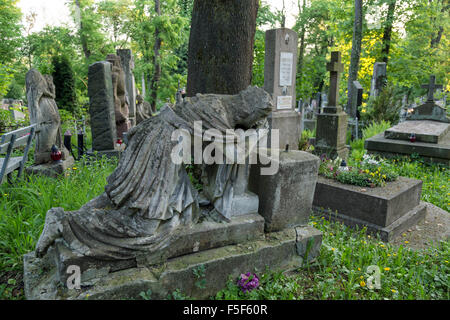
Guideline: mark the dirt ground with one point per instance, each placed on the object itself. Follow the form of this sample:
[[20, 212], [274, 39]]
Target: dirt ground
[[429, 232]]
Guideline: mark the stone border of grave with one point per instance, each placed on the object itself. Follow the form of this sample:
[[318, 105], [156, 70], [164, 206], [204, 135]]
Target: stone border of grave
[[388, 210]]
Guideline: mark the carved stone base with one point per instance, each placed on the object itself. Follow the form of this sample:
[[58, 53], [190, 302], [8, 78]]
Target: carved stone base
[[51, 169], [285, 250], [331, 134]]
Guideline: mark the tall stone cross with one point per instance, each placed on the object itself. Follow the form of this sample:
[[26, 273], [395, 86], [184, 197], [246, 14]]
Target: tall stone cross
[[335, 67], [432, 87]]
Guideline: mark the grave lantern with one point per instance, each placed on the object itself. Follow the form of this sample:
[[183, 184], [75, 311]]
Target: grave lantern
[[56, 154]]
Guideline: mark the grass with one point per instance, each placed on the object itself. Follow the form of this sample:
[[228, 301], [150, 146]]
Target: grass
[[341, 271], [23, 207]]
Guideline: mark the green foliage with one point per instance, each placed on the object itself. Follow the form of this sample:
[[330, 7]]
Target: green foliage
[[5, 79], [199, 273], [341, 271], [10, 31], [385, 107], [265, 18], [272, 286], [63, 78], [23, 205], [146, 295], [304, 144], [366, 173], [435, 177]]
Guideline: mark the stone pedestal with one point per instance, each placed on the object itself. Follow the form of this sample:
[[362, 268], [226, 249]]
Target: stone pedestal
[[286, 197], [279, 80], [331, 134], [289, 124], [51, 169], [279, 251]]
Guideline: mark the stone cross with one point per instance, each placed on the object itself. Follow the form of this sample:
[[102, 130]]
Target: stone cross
[[335, 67], [432, 87]]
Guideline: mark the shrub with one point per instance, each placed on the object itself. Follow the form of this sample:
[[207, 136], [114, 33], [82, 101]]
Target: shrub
[[384, 107]]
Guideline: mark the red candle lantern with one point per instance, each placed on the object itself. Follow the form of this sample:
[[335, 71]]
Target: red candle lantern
[[56, 155], [412, 137]]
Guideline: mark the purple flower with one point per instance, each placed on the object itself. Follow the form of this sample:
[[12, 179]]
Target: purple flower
[[247, 282]]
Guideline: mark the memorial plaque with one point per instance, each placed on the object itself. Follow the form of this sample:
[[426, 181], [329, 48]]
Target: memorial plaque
[[284, 102], [286, 63]]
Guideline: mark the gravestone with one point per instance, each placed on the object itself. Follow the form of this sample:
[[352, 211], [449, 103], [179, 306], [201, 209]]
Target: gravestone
[[357, 100], [332, 124], [430, 110], [127, 60], [44, 113], [378, 78], [123, 123], [425, 132], [102, 111], [279, 80]]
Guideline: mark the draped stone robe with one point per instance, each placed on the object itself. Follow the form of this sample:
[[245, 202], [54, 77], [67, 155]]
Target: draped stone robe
[[148, 197]]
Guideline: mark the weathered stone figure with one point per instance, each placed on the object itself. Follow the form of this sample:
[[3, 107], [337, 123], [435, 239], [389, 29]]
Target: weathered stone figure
[[120, 97], [143, 109], [44, 113], [149, 197]]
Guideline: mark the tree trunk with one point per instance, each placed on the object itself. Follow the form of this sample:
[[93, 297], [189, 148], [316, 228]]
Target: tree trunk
[[221, 46], [301, 54], [388, 31], [84, 45], [356, 53], [156, 63]]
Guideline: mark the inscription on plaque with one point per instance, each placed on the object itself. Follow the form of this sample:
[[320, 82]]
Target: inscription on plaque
[[286, 64], [284, 102]]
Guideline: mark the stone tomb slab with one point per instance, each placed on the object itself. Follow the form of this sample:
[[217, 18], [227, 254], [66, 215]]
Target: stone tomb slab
[[426, 131], [431, 152], [389, 210], [284, 250]]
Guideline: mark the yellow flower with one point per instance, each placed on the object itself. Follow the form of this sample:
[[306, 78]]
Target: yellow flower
[[74, 168], [387, 269], [332, 249], [388, 254], [393, 291], [406, 241], [359, 269], [362, 284]]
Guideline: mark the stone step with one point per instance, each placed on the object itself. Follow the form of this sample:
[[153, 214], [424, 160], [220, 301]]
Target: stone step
[[284, 250]]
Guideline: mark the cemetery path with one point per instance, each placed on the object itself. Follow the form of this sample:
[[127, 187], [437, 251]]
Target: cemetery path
[[429, 232]]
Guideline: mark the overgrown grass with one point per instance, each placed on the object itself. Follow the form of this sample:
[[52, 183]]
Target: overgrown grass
[[341, 271], [24, 204]]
